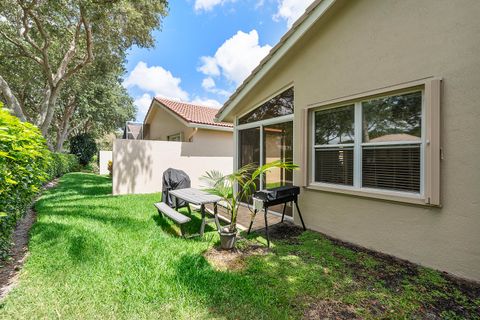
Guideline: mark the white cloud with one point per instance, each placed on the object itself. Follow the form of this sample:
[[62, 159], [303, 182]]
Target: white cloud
[[259, 4], [291, 10], [236, 57], [142, 103], [207, 102], [208, 5], [156, 80], [208, 83], [209, 66]]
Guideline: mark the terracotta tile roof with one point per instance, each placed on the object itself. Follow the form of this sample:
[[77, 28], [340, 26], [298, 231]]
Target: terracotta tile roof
[[193, 113]]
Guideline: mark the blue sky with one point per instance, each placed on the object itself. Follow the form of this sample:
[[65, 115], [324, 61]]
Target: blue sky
[[206, 48]]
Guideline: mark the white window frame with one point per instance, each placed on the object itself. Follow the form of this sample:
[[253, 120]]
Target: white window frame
[[358, 147], [178, 135]]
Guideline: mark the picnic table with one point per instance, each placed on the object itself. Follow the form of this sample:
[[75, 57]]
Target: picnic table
[[199, 198]]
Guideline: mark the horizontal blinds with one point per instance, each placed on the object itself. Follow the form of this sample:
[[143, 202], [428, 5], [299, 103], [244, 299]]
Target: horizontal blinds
[[334, 165], [391, 167]]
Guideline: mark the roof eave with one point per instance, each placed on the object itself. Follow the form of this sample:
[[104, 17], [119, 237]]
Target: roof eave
[[186, 122], [312, 14], [209, 127]]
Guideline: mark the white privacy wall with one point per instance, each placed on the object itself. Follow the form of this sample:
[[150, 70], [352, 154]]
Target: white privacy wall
[[138, 165], [103, 159]]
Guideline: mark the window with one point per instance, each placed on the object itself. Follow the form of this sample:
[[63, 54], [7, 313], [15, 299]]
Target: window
[[280, 105], [371, 143], [175, 137], [334, 143]]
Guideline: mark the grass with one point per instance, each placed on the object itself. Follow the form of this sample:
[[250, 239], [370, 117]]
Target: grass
[[93, 255]]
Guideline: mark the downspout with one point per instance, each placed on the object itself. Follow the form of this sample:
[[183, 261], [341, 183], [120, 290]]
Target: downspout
[[195, 130]]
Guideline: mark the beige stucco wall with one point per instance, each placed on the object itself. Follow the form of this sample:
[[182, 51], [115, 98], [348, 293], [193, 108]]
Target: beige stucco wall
[[366, 45], [213, 143], [138, 165], [163, 124]]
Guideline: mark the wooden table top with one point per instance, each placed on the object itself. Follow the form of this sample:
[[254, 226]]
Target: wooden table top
[[195, 196]]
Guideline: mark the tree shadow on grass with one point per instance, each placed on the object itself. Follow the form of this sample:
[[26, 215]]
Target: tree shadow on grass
[[81, 184], [191, 228], [269, 288], [82, 246]]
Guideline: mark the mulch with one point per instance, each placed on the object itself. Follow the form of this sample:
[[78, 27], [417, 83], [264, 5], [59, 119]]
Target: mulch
[[10, 270]]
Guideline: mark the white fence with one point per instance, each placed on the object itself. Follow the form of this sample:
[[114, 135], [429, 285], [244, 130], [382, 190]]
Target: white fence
[[138, 165]]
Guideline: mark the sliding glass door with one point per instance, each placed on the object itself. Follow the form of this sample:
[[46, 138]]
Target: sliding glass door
[[265, 135], [249, 149]]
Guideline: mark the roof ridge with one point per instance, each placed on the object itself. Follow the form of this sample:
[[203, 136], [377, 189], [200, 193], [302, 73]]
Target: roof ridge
[[188, 103]]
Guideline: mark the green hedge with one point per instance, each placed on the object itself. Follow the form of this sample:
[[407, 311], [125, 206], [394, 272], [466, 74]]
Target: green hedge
[[62, 163], [25, 164]]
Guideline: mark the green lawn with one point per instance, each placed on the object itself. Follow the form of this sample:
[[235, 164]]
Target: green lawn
[[93, 255]]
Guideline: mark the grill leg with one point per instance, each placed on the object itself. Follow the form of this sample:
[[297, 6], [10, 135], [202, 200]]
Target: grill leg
[[283, 213], [300, 215], [266, 228], [251, 221]]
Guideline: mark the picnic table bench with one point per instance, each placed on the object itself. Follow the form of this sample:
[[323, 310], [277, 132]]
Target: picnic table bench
[[173, 214], [191, 196]]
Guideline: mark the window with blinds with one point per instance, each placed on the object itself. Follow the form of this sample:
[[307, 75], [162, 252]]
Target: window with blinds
[[381, 138]]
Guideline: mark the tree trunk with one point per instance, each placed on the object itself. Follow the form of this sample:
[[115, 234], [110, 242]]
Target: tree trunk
[[61, 137], [12, 101], [48, 112], [63, 129]]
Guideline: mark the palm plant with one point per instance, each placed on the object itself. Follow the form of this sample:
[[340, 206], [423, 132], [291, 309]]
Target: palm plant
[[244, 179]]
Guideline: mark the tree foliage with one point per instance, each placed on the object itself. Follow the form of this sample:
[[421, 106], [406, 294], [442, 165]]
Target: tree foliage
[[84, 147], [46, 44]]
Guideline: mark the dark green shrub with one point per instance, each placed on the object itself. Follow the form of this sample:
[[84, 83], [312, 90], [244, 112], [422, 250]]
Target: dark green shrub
[[84, 147], [24, 164], [62, 163]]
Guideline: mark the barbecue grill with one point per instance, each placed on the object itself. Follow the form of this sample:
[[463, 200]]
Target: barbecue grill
[[266, 198]]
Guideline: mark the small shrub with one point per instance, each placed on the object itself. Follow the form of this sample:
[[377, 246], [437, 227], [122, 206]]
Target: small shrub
[[84, 147], [110, 167]]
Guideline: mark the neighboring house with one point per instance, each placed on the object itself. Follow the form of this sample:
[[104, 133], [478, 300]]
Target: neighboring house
[[133, 131], [378, 102], [170, 120], [175, 135]]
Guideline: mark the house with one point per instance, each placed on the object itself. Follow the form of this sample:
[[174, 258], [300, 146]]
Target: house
[[133, 131], [378, 103], [170, 120], [175, 135]]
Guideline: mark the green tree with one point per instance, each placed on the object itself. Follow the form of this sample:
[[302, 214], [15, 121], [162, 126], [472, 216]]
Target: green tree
[[84, 147], [56, 39], [93, 102]]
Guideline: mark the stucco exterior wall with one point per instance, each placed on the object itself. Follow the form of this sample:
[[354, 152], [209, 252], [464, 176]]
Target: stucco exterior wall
[[138, 165], [163, 124], [213, 143], [366, 45]]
